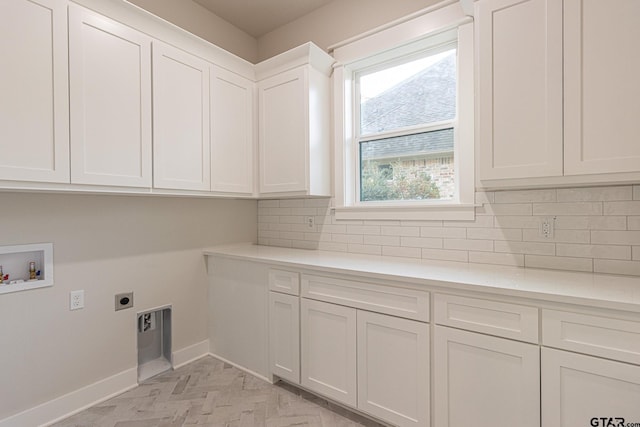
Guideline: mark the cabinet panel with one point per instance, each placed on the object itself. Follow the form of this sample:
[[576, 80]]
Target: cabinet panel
[[283, 127], [284, 336], [110, 96], [284, 281], [578, 388], [597, 335], [601, 86], [232, 140], [481, 380], [238, 313], [181, 157], [393, 369], [520, 88], [34, 106], [506, 320], [400, 302], [328, 336]]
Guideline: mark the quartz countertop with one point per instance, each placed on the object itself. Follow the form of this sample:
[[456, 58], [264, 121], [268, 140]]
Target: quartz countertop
[[591, 289]]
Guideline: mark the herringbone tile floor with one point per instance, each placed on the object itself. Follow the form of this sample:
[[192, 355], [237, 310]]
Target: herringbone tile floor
[[211, 393]]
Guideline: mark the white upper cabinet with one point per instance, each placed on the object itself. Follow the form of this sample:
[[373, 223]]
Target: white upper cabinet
[[34, 106], [519, 88], [232, 135], [110, 97], [602, 90], [557, 92], [181, 151], [293, 123]]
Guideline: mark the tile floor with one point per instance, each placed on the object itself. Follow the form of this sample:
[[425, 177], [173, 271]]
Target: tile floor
[[211, 393]]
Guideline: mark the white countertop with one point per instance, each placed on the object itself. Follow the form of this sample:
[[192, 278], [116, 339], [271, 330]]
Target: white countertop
[[597, 290]]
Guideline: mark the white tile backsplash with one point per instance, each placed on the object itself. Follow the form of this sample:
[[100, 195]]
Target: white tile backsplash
[[631, 268], [595, 194], [558, 263], [570, 208], [622, 208], [633, 222], [525, 196], [596, 229]]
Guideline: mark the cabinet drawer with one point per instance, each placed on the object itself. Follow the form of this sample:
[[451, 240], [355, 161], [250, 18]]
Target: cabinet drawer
[[506, 320], [287, 282], [407, 303], [596, 335]]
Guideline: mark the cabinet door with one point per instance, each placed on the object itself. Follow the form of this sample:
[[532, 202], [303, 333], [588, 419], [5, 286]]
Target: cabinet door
[[485, 381], [601, 86], [577, 388], [328, 335], [34, 106], [393, 369], [284, 336], [283, 132], [181, 154], [519, 88], [232, 106], [110, 96]]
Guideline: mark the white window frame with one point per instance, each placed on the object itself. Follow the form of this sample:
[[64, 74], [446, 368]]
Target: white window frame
[[431, 30]]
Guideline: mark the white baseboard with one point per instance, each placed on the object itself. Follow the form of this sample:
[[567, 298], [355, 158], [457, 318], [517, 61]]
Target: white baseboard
[[71, 403], [242, 368], [189, 354]]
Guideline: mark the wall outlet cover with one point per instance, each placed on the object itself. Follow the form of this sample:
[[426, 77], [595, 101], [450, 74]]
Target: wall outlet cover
[[76, 300], [124, 300]]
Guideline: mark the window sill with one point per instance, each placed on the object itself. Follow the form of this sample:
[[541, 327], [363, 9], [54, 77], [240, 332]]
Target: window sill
[[451, 212]]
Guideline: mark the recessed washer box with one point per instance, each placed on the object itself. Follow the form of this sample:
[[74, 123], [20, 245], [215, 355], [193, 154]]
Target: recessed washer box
[[15, 262]]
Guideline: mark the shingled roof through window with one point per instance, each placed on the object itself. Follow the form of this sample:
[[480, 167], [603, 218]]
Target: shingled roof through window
[[426, 97]]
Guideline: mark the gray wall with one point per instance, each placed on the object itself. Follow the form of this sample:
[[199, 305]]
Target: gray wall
[[105, 245], [335, 22], [199, 21]]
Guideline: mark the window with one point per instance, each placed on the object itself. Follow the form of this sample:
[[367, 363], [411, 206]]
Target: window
[[406, 121], [406, 113]]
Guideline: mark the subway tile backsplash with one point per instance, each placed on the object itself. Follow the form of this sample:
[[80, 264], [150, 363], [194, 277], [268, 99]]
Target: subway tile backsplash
[[596, 229]]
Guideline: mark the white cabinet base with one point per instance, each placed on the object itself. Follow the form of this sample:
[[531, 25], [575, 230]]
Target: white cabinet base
[[328, 336], [578, 388], [393, 369], [284, 336], [484, 381]]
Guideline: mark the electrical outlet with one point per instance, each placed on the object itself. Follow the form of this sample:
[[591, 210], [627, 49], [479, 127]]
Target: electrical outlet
[[547, 227], [124, 301], [76, 300], [310, 221]]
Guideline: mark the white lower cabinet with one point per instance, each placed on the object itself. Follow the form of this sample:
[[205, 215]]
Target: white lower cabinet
[[374, 362], [580, 390], [328, 337], [284, 336], [393, 368], [480, 380]]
